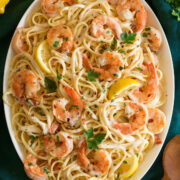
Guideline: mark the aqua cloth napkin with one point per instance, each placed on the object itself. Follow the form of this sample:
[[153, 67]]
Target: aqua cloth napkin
[[11, 167]]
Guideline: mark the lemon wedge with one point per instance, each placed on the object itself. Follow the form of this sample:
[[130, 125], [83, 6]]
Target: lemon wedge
[[3, 4], [128, 167], [42, 56], [121, 85]]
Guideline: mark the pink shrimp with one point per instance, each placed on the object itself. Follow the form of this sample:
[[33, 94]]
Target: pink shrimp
[[136, 120], [153, 37], [32, 170], [98, 26], [59, 145], [60, 37], [18, 42], [25, 86], [101, 164], [140, 13], [148, 92], [109, 62], [51, 7], [59, 107], [156, 120]]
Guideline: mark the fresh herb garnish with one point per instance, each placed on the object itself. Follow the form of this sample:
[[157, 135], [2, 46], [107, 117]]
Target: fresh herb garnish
[[50, 85], [56, 43], [66, 38], [29, 102], [118, 175], [112, 100], [144, 35], [93, 140], [76, 106], [57, 137], [113, 44], [125, 162], [74, 158], [121, 68], [128, 38], [46, 171], [82, 97], [138, 68], [148, 29], [33, 137], [122, 52], [92, 75], [30, 164], [115, 75], [58, 76]]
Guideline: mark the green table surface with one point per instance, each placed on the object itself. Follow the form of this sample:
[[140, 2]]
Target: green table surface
[[11, 167]]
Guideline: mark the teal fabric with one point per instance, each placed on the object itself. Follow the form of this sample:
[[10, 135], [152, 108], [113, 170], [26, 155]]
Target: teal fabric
[[11, 167]]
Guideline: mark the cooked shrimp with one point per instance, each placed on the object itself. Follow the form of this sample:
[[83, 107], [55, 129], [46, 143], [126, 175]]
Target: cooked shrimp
[[101, 164], [60, 38], [59, 145], [32, 170], [146, 93], [153, 37], [59, 107], [156, 120], [140, 13], [137, 119], [109, 62], [18, 42], [25, 86], [113, 2], [51, 7], [98, 27]]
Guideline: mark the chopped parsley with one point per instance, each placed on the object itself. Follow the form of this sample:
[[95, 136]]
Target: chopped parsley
[[112, 100], [125, 162], [66, 38], [122, 52], [128, 38], [50, 85], [57, 137], [144, 35], [33, 137], [58, 76], [138, 68], [114, 114], [118, 175], [76, 106], [92, 75], [65, 27], [115, 75], [147, 29], [113, 44], [56, 43], [121, 68], [93, 140], [74, 158], [82, 97], [29, 102], [30, 164], [46, 171]]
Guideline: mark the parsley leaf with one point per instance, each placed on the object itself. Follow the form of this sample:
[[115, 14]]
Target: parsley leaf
[[50, 85], [128, 38], [46, 171], [92, 75], [29, 102], [56, 43], [138, 68], [113, 44], [89, 133], [76, 106], [93, 141]]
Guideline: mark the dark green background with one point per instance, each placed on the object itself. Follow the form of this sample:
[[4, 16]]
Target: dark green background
[[11, 167]]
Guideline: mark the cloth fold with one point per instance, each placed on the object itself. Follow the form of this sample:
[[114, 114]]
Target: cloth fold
[[11, 166]]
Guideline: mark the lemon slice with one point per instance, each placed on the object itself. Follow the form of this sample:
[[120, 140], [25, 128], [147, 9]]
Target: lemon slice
[[42, 56], [128, 167], [121, 85], [3, 4]]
